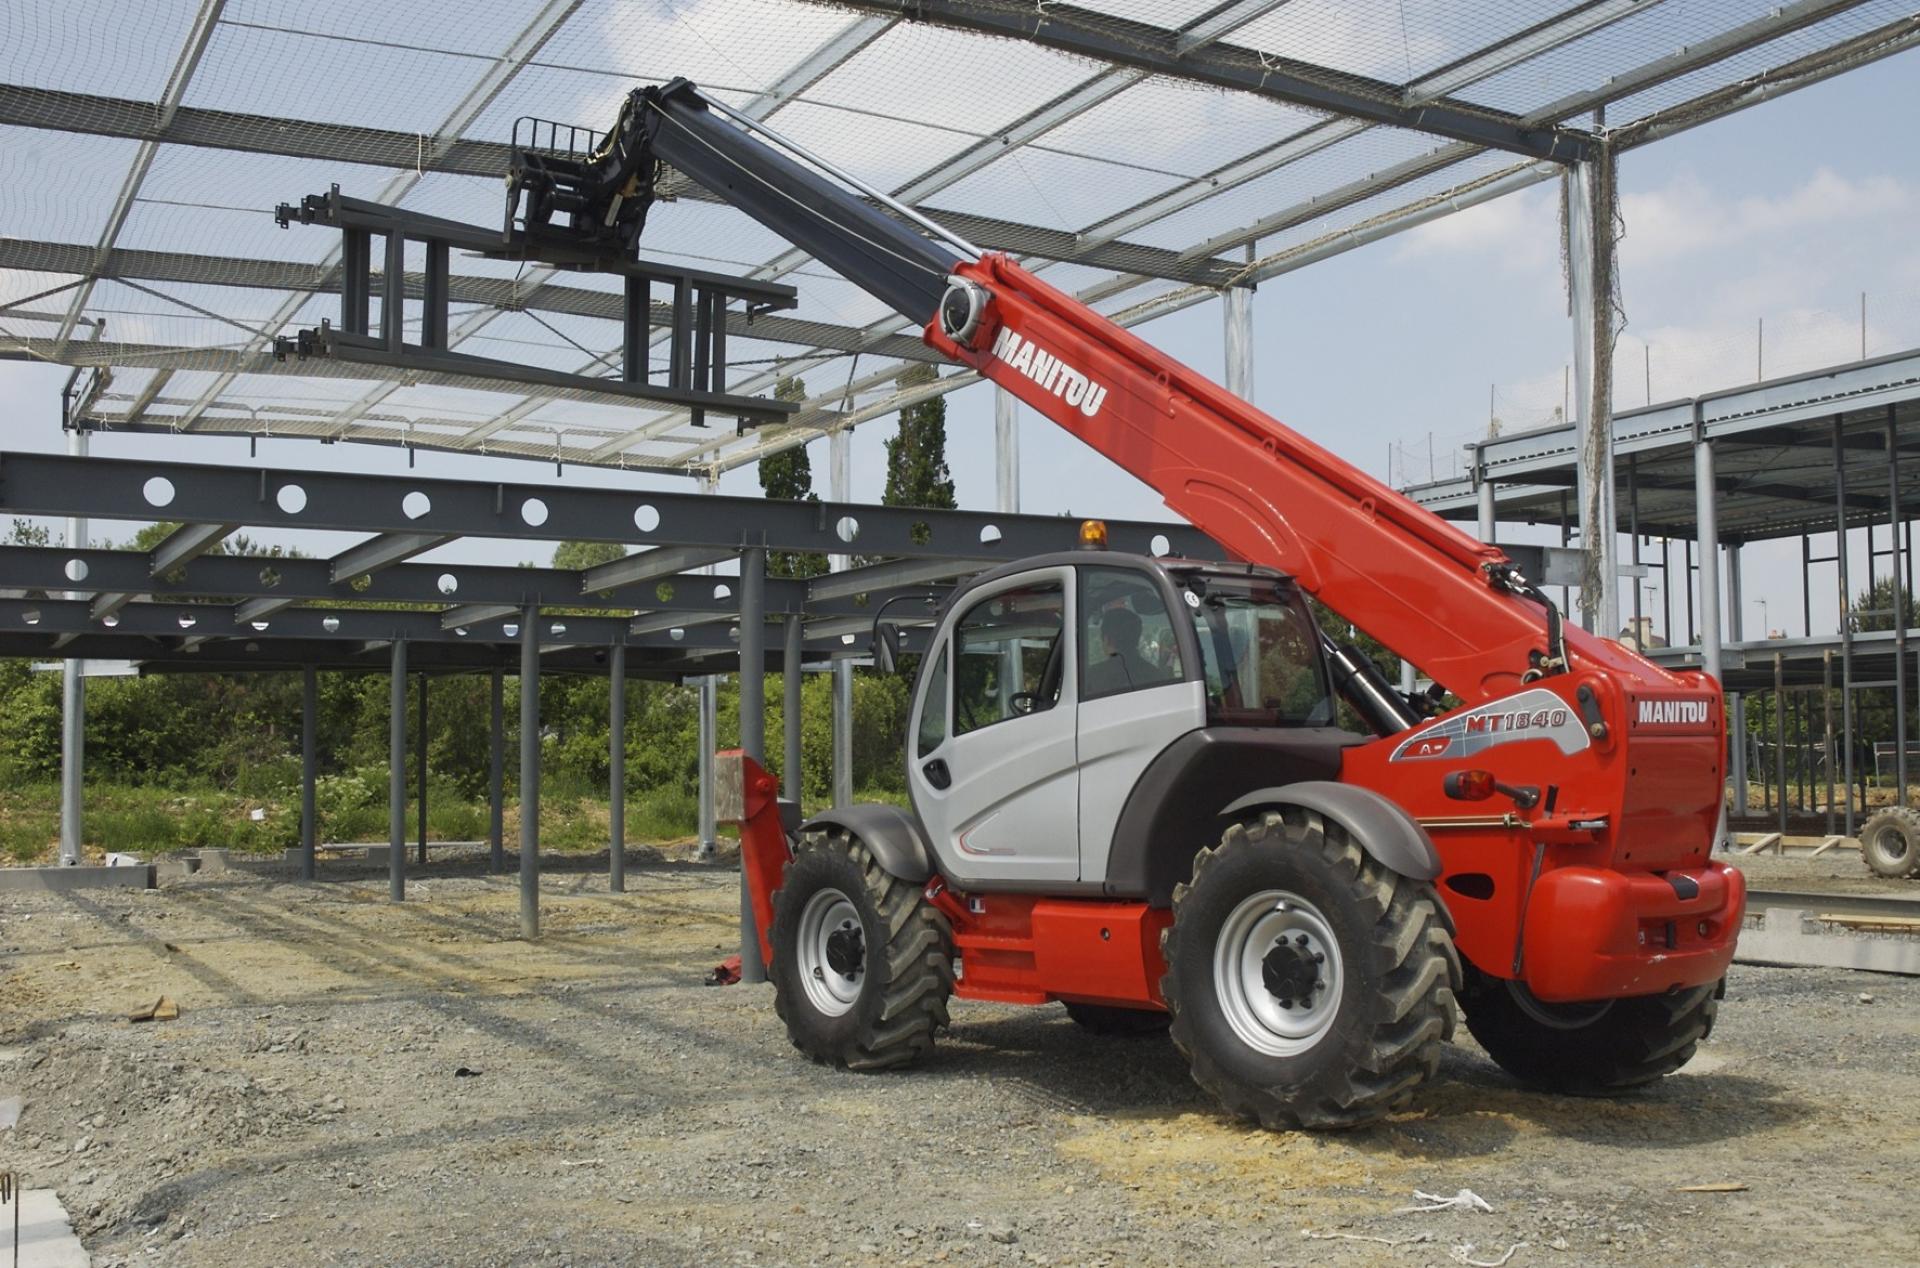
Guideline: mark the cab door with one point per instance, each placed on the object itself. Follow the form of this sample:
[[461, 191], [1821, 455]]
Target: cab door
[[994, 774]]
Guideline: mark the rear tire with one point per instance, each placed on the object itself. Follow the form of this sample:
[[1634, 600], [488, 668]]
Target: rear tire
[[1309, 985], [862, 964], [1588, 1049], [1122, 1023], [1890, 842]]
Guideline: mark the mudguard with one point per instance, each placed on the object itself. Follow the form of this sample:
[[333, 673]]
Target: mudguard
[[1385, 831], [893, 834]]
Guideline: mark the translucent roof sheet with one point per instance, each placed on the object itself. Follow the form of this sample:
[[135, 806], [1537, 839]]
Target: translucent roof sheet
[[1135, 150]]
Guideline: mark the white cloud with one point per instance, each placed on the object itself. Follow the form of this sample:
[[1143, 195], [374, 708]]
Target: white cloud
[[1522, 228], [1687, 217]]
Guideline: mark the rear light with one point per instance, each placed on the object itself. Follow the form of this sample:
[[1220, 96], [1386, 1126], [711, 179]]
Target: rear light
[[1470, 785]]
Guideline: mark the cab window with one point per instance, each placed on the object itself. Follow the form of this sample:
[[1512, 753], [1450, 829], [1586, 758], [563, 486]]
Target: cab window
[[933, 710], [1260, 651], [1007, 656], [1126, 635]]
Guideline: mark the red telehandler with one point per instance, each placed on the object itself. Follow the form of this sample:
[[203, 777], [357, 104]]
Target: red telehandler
[[1129, 792]]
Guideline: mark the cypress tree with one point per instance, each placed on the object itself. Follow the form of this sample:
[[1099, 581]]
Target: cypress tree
[[788, 477], [917, 472]]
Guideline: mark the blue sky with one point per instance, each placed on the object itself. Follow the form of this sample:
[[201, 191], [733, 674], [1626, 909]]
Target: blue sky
[[1786, 212]]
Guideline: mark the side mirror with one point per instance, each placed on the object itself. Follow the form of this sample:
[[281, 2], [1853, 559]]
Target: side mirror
[[886, 646]]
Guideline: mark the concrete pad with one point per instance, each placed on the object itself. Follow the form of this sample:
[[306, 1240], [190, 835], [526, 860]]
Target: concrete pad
[[173, 869], [212, 860], [46, 1235], [377, 855], [59, 880]]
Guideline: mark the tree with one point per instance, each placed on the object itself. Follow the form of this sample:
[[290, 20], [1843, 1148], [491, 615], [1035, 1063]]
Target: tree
[[576, 556], [917, 472], [787, 476]]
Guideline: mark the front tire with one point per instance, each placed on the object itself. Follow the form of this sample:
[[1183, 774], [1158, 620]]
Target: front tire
[[1890, 842], [862, 964], [1588, 1049], [1309, 985]]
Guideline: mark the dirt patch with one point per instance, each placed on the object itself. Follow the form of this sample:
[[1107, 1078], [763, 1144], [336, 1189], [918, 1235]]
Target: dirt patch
[[307, 1107]]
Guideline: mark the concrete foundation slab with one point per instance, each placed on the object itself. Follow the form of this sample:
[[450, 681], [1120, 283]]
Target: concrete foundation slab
[[212, 860], [1783, 938], [46, 1235], [59, 880]]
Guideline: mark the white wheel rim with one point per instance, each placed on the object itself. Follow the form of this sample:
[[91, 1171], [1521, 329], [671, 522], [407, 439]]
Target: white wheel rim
[[1242, 979], [830, 990]]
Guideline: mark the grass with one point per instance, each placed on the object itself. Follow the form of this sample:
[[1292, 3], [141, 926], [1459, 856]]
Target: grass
[[141, 819]]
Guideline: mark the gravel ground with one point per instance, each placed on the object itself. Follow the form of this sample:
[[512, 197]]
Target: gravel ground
[[309, 1106]]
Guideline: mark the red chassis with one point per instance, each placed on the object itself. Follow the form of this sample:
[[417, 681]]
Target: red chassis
[[1588, 932]]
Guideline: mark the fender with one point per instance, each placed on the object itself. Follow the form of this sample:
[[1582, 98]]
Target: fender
[[894, 835], [1171, 812], [1385, 831]]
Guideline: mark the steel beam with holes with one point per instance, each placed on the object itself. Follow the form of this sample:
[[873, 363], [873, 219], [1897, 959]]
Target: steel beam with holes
[[118, 488], [382, 552], [203, 621], [122, 575], [893, 575]]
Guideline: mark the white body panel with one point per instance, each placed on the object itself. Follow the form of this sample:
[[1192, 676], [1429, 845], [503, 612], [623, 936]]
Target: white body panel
[[1119, 737], [1011, 809]]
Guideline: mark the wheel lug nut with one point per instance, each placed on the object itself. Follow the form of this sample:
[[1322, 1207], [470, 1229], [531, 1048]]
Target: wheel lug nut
[[1301, 940], [1319, 986], [1319, 957], [1286, 1003]]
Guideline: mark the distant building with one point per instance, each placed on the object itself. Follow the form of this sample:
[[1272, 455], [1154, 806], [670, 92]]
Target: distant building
[[1639, 635]]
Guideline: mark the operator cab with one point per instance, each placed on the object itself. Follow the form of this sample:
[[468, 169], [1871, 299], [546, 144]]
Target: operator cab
[[1059, 692]]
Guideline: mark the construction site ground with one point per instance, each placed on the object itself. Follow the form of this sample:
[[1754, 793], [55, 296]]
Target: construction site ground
[[354, 1082]]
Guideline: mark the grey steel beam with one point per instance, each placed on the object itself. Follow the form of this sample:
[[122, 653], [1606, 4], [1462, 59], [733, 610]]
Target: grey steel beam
[[617, 768], [890, 575], [530, 773], [468, 615], [659, 622], [50, 484], [649, 565], [383, 551], [189, 541], [1143, 46], [397, 772]]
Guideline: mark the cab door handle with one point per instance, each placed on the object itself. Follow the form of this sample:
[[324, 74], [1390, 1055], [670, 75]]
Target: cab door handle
[[937, 774]]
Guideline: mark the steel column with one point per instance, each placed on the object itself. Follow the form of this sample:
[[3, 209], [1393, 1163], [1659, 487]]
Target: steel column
[[1780, 737], [709, 702], [1846, 618], [420, 764], [530, 772], [753, 724], [840, 489], [1006, 451], [1590, 273], [73, 706], [397, 772], [1706, 511], [1900, 618], [617, 767], [1736, 702], [1826, 700], [1488, 516], [309, 728], [496, 773], [1237, 314], [791, 706]]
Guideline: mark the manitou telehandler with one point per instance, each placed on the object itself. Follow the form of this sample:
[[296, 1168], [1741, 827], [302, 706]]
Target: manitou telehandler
[[1129, 791]]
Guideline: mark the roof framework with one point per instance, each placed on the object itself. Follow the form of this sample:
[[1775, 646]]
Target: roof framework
[[182, 606], [1146, 153]]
